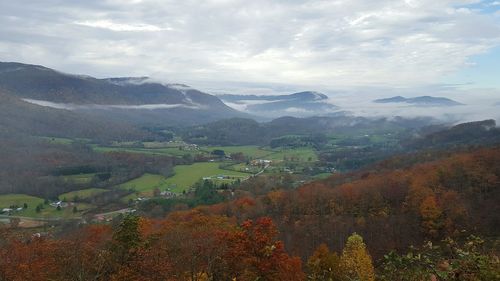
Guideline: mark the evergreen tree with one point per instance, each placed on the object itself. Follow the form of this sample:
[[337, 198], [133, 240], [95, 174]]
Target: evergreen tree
[[126, 238]]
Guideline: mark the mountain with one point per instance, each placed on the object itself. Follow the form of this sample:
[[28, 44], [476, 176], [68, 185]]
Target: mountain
[[478, 133], [420, 101], [298, 104], [132, 99], [20, 118]]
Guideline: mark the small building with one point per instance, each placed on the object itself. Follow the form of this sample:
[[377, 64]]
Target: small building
[[260, 162], [60, 204], [167, 194]]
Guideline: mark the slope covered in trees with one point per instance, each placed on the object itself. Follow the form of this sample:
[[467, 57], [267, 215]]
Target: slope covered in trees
[[297, 234], [392, 209]]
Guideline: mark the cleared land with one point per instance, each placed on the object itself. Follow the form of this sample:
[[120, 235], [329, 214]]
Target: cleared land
[[82, 194], [47, 211], [80, 178], [185, 177], [252, 151], [170, 151], [302, 154], [19, 199]]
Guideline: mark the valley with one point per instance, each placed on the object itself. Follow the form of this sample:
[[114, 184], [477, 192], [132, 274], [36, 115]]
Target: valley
[[141, 156], [298, 158], [147, 140]]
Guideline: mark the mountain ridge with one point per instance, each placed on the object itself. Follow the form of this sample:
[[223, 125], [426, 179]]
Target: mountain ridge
[[153, 103], [420, 101], [305, 103]]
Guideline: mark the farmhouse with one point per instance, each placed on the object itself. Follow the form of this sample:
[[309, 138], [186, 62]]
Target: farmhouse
[[60, 204], [257, 162], [167, 194]]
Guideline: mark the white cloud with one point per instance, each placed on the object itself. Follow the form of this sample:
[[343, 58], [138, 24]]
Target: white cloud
[[314, 43], [108, 24]]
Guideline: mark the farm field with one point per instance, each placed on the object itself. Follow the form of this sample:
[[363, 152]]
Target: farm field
[[185, 177], [82, 194], [252, 151], [170, 151], [47, 211], [19, 199], [146, 182], [303, 154], [242, 167]]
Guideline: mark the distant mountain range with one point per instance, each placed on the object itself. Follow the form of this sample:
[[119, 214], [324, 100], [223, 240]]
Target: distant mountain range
[[420, 101], [298, 104], [242, 131], [133, 99]]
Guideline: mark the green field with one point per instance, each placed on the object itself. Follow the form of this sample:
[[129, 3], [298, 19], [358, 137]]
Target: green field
[[252, 151], [303, 154], [146, 182], [185, 177], [82, 194], [170, 151], [19, 199], [32, 201], [242, 167]]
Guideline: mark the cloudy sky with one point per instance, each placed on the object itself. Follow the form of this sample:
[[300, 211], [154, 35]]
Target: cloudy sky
[[264, 46]]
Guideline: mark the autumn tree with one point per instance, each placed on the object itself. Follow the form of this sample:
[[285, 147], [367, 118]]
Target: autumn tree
[[324, 265], [431, 217], [356, 261], [263, 257]]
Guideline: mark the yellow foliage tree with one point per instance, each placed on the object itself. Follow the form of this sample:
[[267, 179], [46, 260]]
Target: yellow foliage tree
[[356, 262]]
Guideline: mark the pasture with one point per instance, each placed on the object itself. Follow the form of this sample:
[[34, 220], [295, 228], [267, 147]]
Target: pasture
[[168, 151], [82, 194], [184, 178], [47, 211], [301, 154], [251, 151], [19, 199]]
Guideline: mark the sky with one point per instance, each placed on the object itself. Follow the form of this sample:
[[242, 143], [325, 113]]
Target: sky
[[262, 47]]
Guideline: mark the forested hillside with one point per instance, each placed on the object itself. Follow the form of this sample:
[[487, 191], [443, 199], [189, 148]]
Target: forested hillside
[[291, 234]]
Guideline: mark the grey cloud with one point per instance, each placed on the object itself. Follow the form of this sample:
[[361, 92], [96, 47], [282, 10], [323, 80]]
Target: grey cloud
[[331, 43]]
